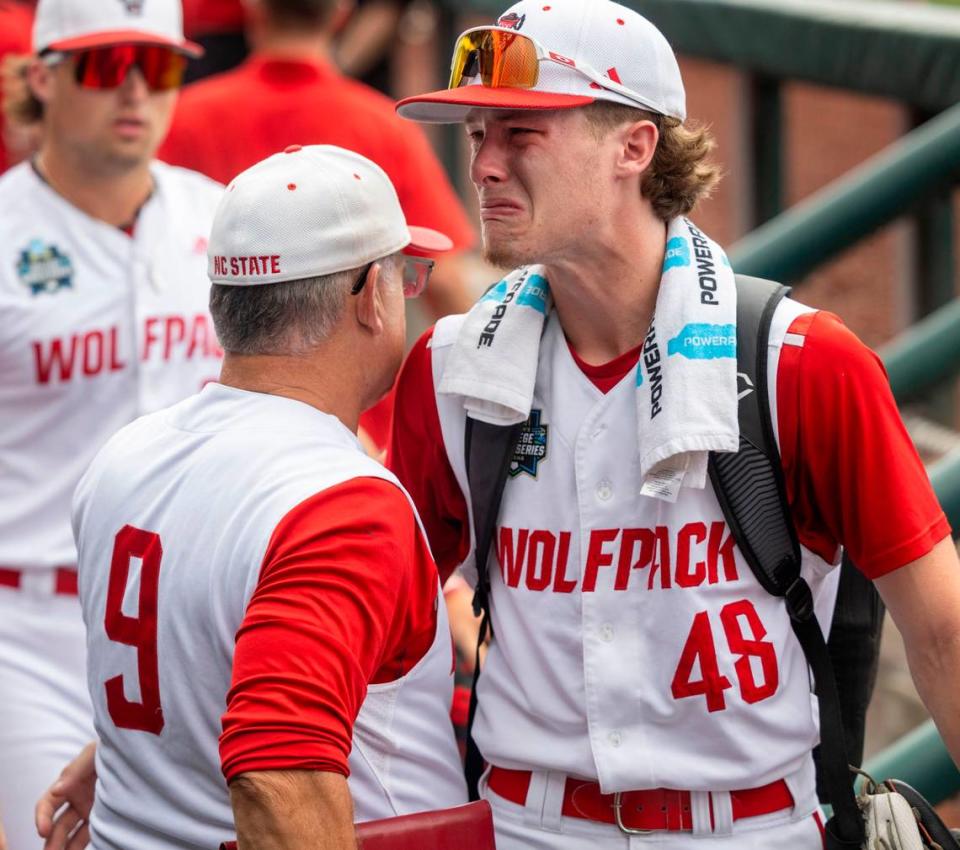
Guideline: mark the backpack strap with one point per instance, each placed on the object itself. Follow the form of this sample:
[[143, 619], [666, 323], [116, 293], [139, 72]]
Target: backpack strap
[[488, 450], [751, 490], [854, 645]]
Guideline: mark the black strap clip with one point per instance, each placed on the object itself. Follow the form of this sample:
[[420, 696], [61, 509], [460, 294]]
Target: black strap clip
[[799, 600]]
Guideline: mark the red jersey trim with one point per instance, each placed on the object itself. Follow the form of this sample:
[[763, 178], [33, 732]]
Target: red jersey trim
[[346, 597], [606, 376]]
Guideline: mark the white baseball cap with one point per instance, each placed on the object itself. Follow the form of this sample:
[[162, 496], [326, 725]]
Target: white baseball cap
[[306, 212], [587, 50], [83, 24]]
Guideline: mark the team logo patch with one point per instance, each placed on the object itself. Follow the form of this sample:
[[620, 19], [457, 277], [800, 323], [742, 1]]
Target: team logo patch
[[133, 7], [531, 447], [512, 21], [699, 341], [43, 268], [677, 255]]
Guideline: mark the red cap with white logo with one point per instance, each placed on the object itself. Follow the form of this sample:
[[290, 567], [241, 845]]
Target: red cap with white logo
[[588, 50], [306, 212], [83, 24]]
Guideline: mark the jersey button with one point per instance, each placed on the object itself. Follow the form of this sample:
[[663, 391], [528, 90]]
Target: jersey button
[[599, 432], [604, 491], [615, 739], [606, 633]]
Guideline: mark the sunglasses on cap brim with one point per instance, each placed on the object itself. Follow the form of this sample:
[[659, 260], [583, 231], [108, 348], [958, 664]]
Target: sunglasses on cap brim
[[416, 274], [496, 57], [107, 67]]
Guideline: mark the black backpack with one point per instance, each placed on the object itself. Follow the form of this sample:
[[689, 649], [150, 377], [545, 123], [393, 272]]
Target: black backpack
[[750, 487]]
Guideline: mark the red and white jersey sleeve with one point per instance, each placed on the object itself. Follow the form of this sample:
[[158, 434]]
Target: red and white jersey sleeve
[[632, 630], [98, 328], [258, 595], [853, 476]]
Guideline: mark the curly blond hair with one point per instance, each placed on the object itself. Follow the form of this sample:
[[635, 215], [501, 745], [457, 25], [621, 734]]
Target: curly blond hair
[[681, 173]]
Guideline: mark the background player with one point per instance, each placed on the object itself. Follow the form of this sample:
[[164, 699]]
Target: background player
[[634, 653], [16, 20], [104, 298], [282, 573]]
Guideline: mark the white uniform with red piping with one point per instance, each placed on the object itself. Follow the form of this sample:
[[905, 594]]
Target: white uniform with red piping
[[174, 518], [650, 650]]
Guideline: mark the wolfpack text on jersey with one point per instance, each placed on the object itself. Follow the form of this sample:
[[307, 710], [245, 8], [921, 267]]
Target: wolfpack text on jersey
[[99, 327]]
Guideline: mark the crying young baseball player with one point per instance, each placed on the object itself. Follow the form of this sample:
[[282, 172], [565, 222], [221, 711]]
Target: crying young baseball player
[[641, 686], [248, 575]]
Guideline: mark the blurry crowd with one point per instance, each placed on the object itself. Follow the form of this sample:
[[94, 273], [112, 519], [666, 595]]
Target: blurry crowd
[[362, 47]]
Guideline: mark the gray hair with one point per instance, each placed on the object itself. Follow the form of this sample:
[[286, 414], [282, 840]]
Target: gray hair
[[287, 318]]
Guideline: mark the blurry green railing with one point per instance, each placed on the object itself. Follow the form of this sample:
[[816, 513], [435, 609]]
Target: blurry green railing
[[919, 759], [905, 51]]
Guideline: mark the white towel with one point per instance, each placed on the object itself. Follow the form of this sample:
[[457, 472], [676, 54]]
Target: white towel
[[687, 374], [493, 363], [686, 378]]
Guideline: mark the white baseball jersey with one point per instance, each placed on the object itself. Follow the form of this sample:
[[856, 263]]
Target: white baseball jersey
[[173, 520], [98, 328], [648, 655]]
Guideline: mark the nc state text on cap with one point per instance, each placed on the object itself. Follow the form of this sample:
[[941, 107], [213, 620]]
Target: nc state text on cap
[[242, 266]]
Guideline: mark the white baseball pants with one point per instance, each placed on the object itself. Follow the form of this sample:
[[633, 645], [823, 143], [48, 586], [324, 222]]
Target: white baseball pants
[[45, 711]]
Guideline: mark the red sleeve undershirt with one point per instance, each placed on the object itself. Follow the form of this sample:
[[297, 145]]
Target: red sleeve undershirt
[[347, 596], [853, 476], [417, 457]]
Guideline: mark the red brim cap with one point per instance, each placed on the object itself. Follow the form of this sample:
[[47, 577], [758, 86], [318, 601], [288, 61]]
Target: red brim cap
[[113, 38], [450, 106], [425, 242]]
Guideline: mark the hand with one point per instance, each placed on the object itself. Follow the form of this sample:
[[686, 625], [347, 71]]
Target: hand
[[63, 812], [3, 839], [464, 626]]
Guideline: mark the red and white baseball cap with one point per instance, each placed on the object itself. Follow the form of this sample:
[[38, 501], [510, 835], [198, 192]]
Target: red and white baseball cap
[[557, 54], [82, 24], [306, 212]]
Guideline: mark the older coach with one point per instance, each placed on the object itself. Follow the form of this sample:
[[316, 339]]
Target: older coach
[[239, 549]]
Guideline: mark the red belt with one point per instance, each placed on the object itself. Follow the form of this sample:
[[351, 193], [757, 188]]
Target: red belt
[[653, 809], [64, 583]]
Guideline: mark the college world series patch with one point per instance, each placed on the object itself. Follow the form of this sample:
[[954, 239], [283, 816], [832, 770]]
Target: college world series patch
[[531, 447], [42, 268]]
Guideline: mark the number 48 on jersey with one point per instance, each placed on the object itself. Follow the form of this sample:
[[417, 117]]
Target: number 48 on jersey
[[700, 651]]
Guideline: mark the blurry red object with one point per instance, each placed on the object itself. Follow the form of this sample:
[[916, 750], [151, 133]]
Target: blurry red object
[[468, 827], [16, 22], [207, 17]]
